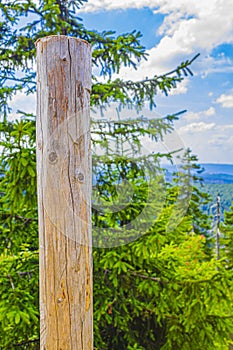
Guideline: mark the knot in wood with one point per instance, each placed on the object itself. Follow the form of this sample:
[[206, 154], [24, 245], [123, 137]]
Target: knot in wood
[[80, 177], [52, 157], [40, 145]]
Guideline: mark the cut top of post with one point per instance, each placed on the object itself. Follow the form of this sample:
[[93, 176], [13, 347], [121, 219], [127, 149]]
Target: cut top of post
[[59, 37]]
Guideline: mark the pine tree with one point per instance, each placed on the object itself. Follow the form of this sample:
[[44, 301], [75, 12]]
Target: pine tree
[[159, 291]]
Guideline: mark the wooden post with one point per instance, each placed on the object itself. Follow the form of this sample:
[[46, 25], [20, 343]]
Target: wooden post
[[64, 192]]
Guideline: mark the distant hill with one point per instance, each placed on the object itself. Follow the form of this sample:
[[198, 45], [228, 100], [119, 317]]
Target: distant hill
[[212, 174], [218, 180], [218, 168], [218, 173]]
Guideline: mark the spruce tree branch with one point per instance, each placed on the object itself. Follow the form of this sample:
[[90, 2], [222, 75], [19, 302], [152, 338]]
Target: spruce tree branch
[[156, 279], [22, 80]]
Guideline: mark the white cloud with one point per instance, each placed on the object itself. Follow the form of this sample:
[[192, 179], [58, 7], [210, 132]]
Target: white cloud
[[218, 140], [191, 116], [226, 100], [206, 16], [108, 5], [209, 112], [230, 141], [222, 137], [207, 64], [188, 27], [196, 127], [212, 143], [181, 88], [188, 24], [225, 128], [24, 102]]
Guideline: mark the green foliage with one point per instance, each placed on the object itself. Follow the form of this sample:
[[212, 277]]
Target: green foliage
[[19, 316], [226, 230], [18, 185], [161, 291], [190, 182], [19, 320]]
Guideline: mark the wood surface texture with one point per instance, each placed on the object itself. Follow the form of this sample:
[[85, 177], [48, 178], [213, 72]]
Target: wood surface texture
[[64, 193]]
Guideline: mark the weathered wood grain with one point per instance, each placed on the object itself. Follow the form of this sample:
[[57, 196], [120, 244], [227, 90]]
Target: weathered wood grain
[[64, 192]]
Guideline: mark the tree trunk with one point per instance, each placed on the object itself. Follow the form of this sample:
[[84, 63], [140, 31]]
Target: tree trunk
[[64, 192]]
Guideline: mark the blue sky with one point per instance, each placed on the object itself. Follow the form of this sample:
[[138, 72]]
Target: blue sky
[[173, 31]]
